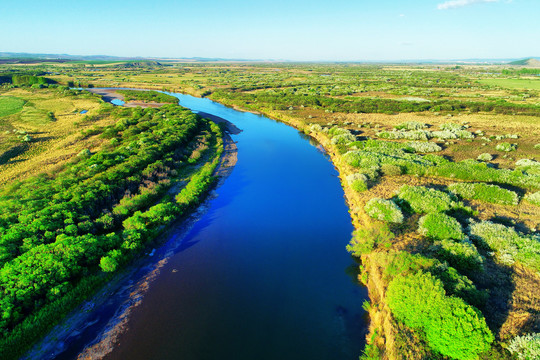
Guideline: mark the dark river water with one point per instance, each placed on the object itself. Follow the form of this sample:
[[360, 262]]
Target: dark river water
[[263, 273]]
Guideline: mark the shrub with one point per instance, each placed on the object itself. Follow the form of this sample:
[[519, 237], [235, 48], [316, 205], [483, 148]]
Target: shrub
[[444, 135], [461, 254], [452, 327], [410, 125], [508, 244], [409, 135], [368, 238], [452, 127], [424, 146], [506, 147], [424, 200], [315, 128], [384, 210], [485, 157], [343, 139], [533, 198], [358, 181], [527, 162], [440, 226], [489, 193], [526, 347]]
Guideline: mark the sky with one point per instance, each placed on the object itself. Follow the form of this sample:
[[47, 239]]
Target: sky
[[297, 30]]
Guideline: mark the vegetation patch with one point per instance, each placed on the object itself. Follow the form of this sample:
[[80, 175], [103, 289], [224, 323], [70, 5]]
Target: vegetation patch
[[425, 200], [440, 226], [452, 328], [148, 96], [384, 210], [10, 105], [484, 192]]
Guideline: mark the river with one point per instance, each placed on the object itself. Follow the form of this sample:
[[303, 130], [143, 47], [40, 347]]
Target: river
[[263, 273]]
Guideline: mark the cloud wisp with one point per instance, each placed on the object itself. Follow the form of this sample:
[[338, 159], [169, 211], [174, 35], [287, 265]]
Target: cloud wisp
[[453, 4]]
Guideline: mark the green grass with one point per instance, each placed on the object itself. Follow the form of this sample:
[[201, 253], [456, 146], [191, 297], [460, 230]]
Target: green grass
[[513, 83], [10, 105]]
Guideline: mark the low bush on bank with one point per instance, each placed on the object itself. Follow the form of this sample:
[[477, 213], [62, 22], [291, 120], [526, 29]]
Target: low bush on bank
[[508, 244], [452, 327], [440, 226], [484, 192], [366, 239], [423, 200], [384, 210], [358, 182]]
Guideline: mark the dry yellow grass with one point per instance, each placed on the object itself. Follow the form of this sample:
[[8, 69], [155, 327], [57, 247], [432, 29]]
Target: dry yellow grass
[[54, 142]]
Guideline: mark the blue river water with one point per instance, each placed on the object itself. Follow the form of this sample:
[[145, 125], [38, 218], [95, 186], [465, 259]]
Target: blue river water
[[263, 273]]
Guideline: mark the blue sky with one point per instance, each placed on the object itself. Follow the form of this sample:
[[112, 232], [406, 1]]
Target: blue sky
[[335, 30]]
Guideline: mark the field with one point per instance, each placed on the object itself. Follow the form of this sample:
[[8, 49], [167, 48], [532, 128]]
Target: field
[[440, 166]]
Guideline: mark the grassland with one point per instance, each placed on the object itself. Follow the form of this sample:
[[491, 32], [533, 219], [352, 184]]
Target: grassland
[[485, 262]]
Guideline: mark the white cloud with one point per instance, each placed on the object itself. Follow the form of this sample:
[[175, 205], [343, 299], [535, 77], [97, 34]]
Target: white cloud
[[452, 4]]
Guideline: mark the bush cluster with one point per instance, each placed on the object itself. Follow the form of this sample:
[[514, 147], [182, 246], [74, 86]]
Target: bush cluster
[[461, 254], [508, 244], [485, 157], [507, 147], [384, 210], [411, 125], [440, 226], [424, 146], [484, 192], [357, 181], [424, 200], [533, 198], [452, 328]]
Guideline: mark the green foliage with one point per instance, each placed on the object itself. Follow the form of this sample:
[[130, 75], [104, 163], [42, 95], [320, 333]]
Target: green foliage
[[463, 255], [424, 200], [440, 226], [485, 157], [98, 211], [424, 146], [526, 347], [148, 96], [358, 182], [533, 198], [507, 147], [509, 245], [384, 210], [484, 192], [367, 239], [452, 328], [410, 125]]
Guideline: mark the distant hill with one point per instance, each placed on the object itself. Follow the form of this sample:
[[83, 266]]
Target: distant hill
[[526, 62], [139, 64]]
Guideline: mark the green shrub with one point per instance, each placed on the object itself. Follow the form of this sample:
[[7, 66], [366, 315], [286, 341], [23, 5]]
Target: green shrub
[[343, 139], [509, 245], [452, 328], [358, 182], [411, 125], [424, 200], [484, 192], [384, 210], [460, 254], [533, 198], [526, 347], [440, 226], [504, 146], [452, 127], [368, 238], [424, 146], [485, 157], [409, 135]]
